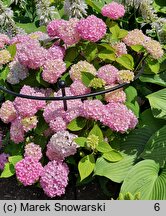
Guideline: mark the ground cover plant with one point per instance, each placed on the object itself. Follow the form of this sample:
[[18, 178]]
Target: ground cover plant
[[118, 136]]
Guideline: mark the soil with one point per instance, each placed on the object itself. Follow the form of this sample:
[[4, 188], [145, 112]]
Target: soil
[[11, 190]]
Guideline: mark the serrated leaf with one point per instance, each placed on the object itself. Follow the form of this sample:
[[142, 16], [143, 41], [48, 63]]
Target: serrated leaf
[[86, 166], [112, 156], [81, 141], [131, 94], [77, 124], [126, 61], [8, 171], [148, 181], [97, 131]]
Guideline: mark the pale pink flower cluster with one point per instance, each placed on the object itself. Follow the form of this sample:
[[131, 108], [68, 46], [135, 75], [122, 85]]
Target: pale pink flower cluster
[[78, 88], [54, 178], [5, 57], [31, 54], [134, 37], [8, 112], [154, 48], [81, 66], [53, 27], [67, 32], [17, 72], [118, 117], [55, 52], [29, 123], [29, 107], [120, 49], [33, 150], [61, 145], [92, 28], [52, 70], [17, 131], [108, 73], [114, 115], [125, 76], [4, 40], [57, 117], [28, 170], [117, 96], [19, 38], [113, 10], [3, 160]]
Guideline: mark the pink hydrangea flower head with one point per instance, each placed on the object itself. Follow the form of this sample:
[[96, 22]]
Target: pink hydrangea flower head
[[3, 160], [125, 76], [120, 49], [8, 112], [28, 170], [53, 69], [55, 52], [4, 40], [19, 38], [81, 66], [117, 96], [68, 32], [31, 54], [108, 73], [53, 27], [29, 123], [33, 150], [17, 72], [134, 37], [154, 48], [92, 28], [16, 131], [92, 109], [58, 124], [32, 106], [61, 145], [78, 88], [113, 10], [38, 35], [54, 178], [118, 117]]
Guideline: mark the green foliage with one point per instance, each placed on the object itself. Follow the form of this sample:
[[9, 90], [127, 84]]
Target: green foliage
[[112, 156], [126, 61], [148, 179], [155, 148], [3, 74], [97, 131], [158, 79], [87, 78], [129, 196], [81, 141], [86, 166], [77, 124], [157, 102], [12, 50], [104, 147]]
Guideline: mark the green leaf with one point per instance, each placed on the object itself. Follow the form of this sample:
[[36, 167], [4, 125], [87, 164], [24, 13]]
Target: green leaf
[[107, 55], [122, 33], [137, 48], [112, 156], [77, 124], [97, 131], [115, 30], [28, 27], [41, 125], [41, 140], [40, 79], [155, 148], [157, 102], [81, 141], [13, 149], [114, 171], [90, 52], [4, 73], [126, 61], [147, 178], [86, 78], [14, 159], [96, 5], [71, 54], [103, 147], [8, 171], [131, 94], [86, 166], [134, 107], [12, 50], [159, 79], [152, 66]]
